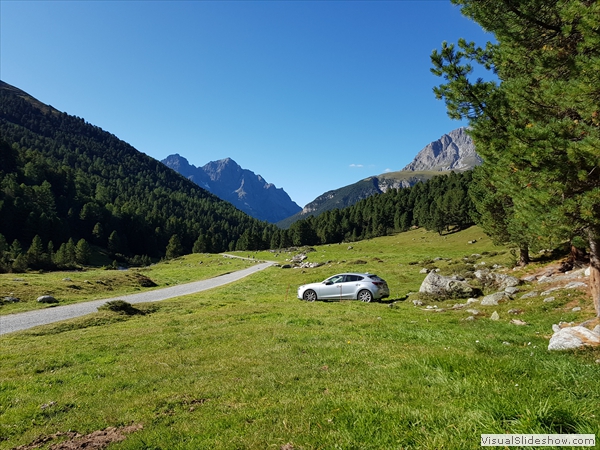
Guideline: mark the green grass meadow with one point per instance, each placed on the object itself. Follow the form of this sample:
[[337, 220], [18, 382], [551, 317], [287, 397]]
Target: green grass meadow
[[249, 366], [84, 285]]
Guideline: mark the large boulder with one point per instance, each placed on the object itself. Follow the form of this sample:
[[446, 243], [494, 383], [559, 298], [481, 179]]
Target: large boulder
[[439, 285], [573, 337], [500, 280], [46, 299], [493, 299]]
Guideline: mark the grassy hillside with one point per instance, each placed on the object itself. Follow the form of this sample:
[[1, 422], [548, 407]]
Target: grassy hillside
[[249, 366]]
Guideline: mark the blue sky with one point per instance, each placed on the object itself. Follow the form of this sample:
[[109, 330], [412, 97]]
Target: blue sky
[[311, 95]]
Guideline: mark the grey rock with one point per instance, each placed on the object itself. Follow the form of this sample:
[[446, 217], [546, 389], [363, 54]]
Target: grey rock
[[576, 309], [518, 322], [46, 299], [495, 316], [11, 299], [418, 303], [530, 294], [572, 338], [424, 270], [549, 299], [529, 279], [439, 285], [511, 290], [575, 284], [472, 301], [493, 299], [474, 312], [500, 280], [549, 291]]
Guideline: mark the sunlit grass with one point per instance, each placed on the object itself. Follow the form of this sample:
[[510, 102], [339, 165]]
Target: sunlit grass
[[90, 284], [249, 366]]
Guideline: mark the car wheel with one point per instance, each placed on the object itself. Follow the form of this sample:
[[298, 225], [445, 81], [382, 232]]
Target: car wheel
[[309, 295], [365, 296]]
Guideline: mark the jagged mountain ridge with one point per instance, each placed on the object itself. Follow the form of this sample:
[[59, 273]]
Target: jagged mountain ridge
[[454, 151], [241, 187]]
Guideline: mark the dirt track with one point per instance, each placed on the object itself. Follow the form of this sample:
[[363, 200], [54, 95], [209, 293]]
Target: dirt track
[[22, 321]]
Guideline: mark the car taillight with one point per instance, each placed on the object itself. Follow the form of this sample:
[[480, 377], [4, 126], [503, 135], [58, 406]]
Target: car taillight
[[377, 283]]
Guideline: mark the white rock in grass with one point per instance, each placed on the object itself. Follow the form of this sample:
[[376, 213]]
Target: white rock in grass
[[493, 299], [573, 337]]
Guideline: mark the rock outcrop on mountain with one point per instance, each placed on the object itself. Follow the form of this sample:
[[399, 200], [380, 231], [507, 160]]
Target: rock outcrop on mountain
[[453, 151], [244, 189]]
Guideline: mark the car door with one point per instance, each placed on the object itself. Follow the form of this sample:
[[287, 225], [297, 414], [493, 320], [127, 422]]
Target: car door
[[332, 287], [351, 286]]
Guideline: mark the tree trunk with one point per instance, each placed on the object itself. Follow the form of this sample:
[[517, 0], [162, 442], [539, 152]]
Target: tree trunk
[[594, 241], [524, 255]]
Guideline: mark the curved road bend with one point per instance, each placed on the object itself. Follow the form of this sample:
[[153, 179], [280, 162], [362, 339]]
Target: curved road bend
[[22, 321]]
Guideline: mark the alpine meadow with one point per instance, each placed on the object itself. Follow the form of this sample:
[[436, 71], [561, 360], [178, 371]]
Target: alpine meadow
[[492, 325]]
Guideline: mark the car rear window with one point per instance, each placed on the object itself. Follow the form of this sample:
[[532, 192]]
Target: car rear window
[[375, 278]]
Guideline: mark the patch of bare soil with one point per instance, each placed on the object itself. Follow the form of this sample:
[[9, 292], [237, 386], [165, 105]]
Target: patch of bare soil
[[75, 441]]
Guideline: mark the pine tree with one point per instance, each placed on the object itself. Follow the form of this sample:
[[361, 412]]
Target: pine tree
[[538, 128], [200, 245], [174, 248], [83, 252], [35, 253]]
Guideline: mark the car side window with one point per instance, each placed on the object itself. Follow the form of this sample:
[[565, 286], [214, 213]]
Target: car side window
[[354, 278], [338, 279]]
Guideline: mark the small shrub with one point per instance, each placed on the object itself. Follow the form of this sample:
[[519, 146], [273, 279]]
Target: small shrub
[[120, 306]]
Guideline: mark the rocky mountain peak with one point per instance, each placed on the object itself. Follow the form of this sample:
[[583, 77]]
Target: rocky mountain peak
[[243, 188], [453, 151]]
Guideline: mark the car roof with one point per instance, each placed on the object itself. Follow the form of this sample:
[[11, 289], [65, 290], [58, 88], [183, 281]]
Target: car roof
[[367, 274]]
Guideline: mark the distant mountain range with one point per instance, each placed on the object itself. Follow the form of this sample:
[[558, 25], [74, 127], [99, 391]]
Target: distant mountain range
[[244, 189], [454, 151]]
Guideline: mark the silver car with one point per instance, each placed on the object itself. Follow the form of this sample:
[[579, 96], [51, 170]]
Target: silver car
[[350, 286]]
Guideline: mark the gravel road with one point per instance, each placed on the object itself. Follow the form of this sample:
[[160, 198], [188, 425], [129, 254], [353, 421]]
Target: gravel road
[[22, 321]]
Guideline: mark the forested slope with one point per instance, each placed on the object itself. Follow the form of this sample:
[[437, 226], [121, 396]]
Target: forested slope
[[442, 204], [62, 178]]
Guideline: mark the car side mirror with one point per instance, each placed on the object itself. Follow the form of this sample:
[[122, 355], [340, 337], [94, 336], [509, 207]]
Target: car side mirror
[[328, 283]]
